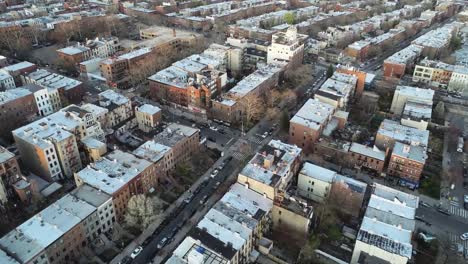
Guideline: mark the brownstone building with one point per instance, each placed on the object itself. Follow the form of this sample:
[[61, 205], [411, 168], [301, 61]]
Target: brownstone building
[[9, 174], [407, 163], [18, 107], [367, 157], [19, 69], [120, 175]]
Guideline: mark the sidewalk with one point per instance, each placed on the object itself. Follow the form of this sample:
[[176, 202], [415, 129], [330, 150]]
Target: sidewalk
[[153, 226]]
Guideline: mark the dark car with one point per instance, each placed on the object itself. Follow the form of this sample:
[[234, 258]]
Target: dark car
[[126, 260], [443, 211]]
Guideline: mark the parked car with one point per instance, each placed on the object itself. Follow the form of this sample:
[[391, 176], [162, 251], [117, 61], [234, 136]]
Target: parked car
[[421, 203], [443, 211], [162, 243], [214, 173], [136, 252], [426, 237], [464, 236], [202, 201], [465, 201], [214, 128]]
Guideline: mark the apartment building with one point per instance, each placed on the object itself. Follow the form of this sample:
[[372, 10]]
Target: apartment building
[[271, 169], [10, 173], [387, 228], [367, 157], [399, 63], [70, 90], [231, 106], [405, 94], [391, 132], [6, 81], [307, 124], [436, 41], [230, 230], [100, 113], [287, 47], [337, 90], [158, 154], [120, 175], [407, 163], [58, 234], [19, 69], [48, 100], [148, 117], [192, 81], [321, 185], [360, 75], [95, 48], [416, 115], [18, 108], [119, 107], [435, 73], [183, 141], [49, 146]]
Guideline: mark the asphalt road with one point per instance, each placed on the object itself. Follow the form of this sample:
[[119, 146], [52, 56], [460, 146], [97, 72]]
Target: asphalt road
[[184, 212]]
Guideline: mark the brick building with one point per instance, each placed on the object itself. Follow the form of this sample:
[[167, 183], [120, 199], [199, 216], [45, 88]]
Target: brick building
[[407, 163], [18, 108]]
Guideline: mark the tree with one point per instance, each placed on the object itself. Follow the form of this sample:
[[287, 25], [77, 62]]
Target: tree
[[183, 170], [142, 210], [440, 110], [289, 18], [330, 71], [252, 108], [284, 122]]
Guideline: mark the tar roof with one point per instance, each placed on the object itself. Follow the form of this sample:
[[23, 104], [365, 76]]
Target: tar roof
[[174, 133], [13, 94], [403, 133]]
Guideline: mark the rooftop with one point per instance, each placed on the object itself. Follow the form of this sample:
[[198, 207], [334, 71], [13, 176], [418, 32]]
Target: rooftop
[[191, 248], [13, 94], [113, 97], [148, 109], [91, 195], [40, 231], [272, 164], [403, 133], [53, 80], [112, 172], [421, 94], [73, 50], [5, 155], [151, 151], [172, 76], [367, 151], [173, 134], [418, 111], [414, 153], [313, 114], [405, 55], [18, 66], [252, 81], [317, 172]]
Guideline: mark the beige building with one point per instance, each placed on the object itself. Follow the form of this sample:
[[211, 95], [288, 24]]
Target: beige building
[[119, 107], [271, 169], [315, 182], [405, 94], [148, 117], [287, 47], [94, 149]]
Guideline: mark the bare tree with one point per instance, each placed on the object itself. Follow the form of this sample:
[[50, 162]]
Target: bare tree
[[142, 210], [37, 32], [252, 108]]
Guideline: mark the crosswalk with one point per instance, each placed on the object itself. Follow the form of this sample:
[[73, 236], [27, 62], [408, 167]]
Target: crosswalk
[[239, 156], [458, 211], [455, 239], [256, 140]]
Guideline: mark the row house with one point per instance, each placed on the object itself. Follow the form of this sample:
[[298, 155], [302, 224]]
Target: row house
[[18, 108]]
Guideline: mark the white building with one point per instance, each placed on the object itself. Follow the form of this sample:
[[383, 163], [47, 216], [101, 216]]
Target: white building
[[49, 146], [337, 90], [315, 182], [387, 227], [6, 81], [404, 94], [287, 47], [459, 79], [229, 231], [47, 99]]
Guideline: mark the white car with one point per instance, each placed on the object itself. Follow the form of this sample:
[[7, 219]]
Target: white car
[[214, 173], [214, 128], [136, 251], [464, 236]]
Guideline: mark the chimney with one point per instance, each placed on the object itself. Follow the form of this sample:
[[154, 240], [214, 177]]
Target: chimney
[[406, 148], [268, 161]]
